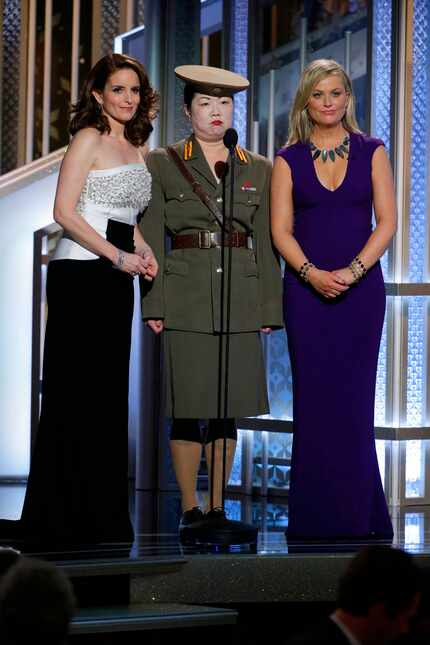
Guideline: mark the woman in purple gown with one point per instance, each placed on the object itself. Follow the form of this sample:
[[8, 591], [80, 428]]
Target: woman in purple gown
[[325, 182]]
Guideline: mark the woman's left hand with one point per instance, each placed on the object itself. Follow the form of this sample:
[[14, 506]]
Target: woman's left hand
[[345, 275], [265, 330], [151, 264], [144, 250]]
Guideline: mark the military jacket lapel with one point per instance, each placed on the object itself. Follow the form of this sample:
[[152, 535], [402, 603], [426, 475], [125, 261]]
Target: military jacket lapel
[[200, 167], [193, 157]]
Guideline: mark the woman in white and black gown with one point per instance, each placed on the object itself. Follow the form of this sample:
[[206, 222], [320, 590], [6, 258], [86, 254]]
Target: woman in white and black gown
[[77, 489]]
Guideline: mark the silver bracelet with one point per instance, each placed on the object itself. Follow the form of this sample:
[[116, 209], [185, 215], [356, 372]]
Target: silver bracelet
[[120, 261], [304, 270], [357, 268]]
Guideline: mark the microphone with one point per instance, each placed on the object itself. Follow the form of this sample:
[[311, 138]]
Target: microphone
[[221, 169], [230, 139]]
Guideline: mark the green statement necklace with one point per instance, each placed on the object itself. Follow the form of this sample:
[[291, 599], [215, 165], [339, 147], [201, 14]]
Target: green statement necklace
[[341, 150]]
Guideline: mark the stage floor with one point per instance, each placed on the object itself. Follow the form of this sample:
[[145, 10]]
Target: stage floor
[[156, 517]]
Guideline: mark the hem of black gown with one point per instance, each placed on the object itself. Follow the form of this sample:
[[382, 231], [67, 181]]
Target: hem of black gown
[[15, 533]]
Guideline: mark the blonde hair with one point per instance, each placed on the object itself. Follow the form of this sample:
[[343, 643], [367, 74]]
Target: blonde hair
[[300, 123]]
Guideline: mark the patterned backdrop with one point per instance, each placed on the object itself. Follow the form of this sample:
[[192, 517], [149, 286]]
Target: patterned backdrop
[[11, 43]]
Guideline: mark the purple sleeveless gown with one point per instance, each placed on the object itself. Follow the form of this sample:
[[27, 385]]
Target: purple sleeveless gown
[[335, 486]]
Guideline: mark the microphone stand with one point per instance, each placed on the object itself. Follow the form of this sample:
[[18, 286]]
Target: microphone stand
[[220, 530]]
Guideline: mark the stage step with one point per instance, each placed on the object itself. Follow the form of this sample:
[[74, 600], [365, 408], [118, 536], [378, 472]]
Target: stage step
[[106, 581], [149, 616]]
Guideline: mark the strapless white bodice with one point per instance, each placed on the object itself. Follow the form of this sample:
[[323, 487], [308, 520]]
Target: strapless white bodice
[[118, 193]]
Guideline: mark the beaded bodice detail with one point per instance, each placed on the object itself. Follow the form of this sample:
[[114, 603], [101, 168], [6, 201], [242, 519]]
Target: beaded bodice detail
[[126, 186]]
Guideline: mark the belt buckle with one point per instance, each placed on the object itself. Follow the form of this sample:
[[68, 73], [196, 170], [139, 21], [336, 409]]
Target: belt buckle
[[205, 241]]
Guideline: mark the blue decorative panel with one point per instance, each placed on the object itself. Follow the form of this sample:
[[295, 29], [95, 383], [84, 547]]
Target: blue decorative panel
[[257, 446], [381, 380], [416, 370], [270, 516], [257, 454], [381, 126], [279, 377], [381, 70], [279, 448], [233, 508], [381, 80], [278, 476], [414, 530], [279, 456], [110, 25], [280, 445], [419, 147], [11, 81], [415, 468], [236, 472], [239, 62], [139, 12]]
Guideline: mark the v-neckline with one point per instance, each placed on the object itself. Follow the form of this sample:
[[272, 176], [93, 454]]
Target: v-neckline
[[329, 190]]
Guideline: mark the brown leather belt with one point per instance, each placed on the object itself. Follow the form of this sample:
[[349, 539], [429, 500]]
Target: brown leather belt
[[210, 240]]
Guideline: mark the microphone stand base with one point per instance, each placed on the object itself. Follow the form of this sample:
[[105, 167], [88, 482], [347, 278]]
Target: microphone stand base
[[219, 531]]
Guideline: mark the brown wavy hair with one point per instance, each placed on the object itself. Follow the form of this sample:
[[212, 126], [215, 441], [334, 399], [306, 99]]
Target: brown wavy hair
[[86, 112]]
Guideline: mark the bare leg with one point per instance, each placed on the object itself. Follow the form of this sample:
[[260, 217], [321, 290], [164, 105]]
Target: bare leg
[[186, 456], [230, 450]]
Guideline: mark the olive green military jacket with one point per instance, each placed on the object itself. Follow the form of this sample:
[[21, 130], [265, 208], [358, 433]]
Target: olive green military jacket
[[186, 293]]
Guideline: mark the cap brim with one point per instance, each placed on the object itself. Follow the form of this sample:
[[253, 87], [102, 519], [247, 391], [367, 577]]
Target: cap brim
[[211, 78]]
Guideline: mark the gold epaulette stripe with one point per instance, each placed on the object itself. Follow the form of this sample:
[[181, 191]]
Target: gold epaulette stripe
[[188, 150], [241, 154]]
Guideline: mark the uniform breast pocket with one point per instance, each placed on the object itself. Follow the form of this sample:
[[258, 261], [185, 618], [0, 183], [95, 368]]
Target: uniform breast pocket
[[247, 204], [181, 195], [249, 198]]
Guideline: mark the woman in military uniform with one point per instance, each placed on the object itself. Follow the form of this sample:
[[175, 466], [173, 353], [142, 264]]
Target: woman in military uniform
[[184, 301]]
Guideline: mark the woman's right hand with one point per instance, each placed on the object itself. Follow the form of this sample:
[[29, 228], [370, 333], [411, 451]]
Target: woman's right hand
[[326, 283], [157, 326], [132, 263]]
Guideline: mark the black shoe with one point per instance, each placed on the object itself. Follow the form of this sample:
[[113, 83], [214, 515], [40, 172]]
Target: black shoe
[[216, 513], [195, 514]]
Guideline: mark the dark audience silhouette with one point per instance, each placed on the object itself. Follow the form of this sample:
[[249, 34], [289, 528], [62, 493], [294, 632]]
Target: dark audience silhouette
[[37, 603]]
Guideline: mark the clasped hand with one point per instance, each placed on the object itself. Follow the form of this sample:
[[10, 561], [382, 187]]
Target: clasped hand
[[141, 263], [330, 284], [150, 263]]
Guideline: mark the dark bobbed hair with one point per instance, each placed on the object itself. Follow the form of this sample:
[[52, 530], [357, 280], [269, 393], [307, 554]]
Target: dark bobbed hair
[[379, 574], [190, 90], [37, 603], [86, 112]]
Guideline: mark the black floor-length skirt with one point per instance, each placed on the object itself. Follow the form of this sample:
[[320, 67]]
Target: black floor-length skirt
[[78, 482]]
